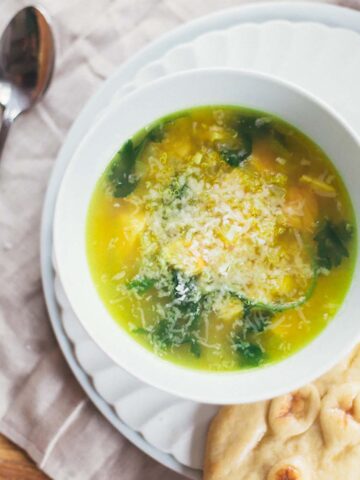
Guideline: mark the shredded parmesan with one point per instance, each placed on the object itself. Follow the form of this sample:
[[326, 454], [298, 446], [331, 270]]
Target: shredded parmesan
[[223, 228]]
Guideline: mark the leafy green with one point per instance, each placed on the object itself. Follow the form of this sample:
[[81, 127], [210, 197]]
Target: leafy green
[[251, 353], [157, 133], [141, 284], [248, 128], [122, 169], [251, 127], [186, 291], [256, 319], [164, 332], [245, 128], [259, 309], [331, 249], [249, 124], [332, 242], [195, 347], [234, 157], [259, 126], [173, 331], [176, 190], [181, 322]]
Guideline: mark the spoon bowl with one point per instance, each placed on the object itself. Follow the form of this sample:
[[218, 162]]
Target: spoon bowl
[[27, 58]]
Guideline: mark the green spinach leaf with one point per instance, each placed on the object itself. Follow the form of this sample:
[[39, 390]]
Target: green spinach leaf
[[249, 128], [256, 319], [181, 321], [176, 190], [122, 175], [141, 284], [234, 157], [122, 169], [332, 243], [157, 133], [251, 353], [195, 347]]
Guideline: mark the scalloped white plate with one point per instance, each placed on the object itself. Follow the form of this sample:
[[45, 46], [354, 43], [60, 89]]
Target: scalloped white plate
[[297, 12], [283, 49], [322, 59], [173, 425]]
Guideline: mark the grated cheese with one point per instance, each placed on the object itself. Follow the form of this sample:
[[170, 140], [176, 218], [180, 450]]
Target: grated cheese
[[224, 229]]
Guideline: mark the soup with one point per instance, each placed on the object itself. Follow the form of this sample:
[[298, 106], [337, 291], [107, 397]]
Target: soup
[[221, 238]]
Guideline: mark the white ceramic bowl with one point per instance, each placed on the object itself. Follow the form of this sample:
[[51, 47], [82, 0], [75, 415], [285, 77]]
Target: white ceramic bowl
[[121, 121]]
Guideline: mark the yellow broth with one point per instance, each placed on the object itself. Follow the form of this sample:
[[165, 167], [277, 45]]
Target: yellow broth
[[221, 238]]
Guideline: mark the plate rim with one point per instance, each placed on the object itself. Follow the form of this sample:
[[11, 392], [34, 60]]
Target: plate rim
[[330, 15]]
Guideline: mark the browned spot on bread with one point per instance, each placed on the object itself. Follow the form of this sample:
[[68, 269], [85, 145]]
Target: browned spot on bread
[[288, 473]]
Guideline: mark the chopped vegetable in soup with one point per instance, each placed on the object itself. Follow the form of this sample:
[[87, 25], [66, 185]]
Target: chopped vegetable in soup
[[221, 238]]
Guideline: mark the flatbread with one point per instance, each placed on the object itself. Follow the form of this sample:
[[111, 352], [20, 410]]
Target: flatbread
[[310, 434]]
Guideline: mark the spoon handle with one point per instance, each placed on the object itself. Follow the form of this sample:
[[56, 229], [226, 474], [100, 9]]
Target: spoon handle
[[4, 129]]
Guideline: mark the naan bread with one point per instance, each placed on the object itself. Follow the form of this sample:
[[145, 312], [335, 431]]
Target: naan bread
[[310, 434]]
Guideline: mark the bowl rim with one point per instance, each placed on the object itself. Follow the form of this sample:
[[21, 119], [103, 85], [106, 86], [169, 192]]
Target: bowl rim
[[194, 375]]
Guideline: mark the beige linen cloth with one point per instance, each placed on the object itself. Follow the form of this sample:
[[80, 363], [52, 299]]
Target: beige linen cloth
[[42, 407]]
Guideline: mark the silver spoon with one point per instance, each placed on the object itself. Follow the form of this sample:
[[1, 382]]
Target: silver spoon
[[27, 56]]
